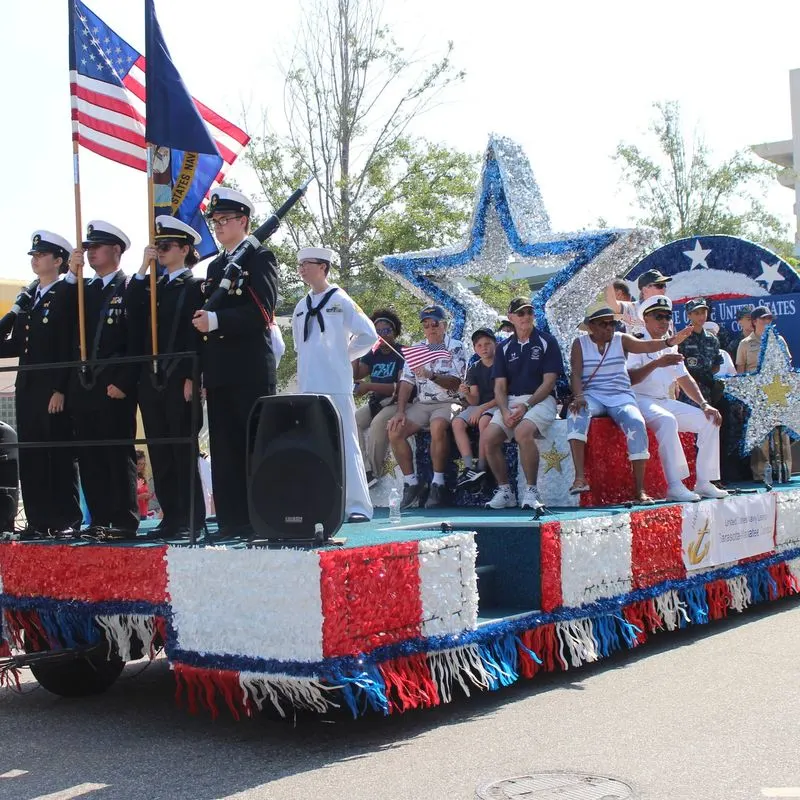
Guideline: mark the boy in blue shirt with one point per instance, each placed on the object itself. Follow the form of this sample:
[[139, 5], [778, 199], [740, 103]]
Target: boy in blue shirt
[[478, 388]]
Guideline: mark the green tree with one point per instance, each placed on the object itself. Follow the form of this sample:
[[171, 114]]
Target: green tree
[[681, 191]]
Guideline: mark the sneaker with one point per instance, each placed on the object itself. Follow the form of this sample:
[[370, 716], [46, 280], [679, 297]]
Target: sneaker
[[469, 477], [371, 479], [680, 494], [438, 496], [707, 489], [411, 494], [531, 499], [503, 498]]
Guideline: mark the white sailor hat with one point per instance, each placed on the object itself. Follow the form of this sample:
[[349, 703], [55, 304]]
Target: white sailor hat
[[315, 254], [48, 242], [100, 232], [168, 227], [224, 199], [658, 302]]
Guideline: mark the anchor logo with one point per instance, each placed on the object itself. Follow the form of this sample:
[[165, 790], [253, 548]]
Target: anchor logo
[[697, 550]]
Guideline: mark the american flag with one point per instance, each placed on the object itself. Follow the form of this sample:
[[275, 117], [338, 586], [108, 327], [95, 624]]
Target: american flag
[[107, 83], [421, 354]]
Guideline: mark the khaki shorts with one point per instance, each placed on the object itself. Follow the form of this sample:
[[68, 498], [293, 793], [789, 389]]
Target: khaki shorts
[[542, 415], [422, 413], [470, 410]]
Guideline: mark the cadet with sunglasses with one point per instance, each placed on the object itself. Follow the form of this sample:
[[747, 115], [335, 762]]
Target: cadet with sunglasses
[[652, 375], [236, 354], [165, 397], [41, 335]]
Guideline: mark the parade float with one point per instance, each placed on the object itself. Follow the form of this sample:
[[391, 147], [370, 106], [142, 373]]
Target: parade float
[[391, 617]]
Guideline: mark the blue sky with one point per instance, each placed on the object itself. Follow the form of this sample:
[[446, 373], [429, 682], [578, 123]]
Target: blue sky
[[568, 80]]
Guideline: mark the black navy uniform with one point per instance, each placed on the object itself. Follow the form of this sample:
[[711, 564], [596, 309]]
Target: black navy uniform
[[49, 477], [238, 368], [107, 473], [165, 412]]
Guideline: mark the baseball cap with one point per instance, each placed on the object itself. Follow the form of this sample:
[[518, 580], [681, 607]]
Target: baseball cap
[[650, 277], [518, 303], [759, 312], [432, 312], [696, 305], [487, 332]]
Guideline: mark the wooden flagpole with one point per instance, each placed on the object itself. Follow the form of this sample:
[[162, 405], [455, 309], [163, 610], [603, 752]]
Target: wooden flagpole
[[76, 173], [152, 224]]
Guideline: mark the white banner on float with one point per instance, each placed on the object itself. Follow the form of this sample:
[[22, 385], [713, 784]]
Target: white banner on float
[[743, 527], [697, 536], [726, 531]]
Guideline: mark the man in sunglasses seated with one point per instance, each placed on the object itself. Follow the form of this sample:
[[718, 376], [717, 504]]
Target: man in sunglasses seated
[[652, 375], [651, 284]]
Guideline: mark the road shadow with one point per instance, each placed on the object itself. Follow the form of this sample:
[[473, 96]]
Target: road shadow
[[136, 740]]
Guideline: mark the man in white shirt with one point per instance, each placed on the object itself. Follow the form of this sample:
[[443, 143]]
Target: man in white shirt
[[652, 375], [651, 284], [330, 332]]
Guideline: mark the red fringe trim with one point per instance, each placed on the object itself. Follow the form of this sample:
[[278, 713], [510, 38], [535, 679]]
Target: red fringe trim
[[544, 642], [786, 582], [203, 686], [634, 614], [409, 683], [719, 599], [27, 631]]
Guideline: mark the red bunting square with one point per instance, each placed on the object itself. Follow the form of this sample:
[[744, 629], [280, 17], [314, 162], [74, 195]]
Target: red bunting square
[[370, 597], [550, 554], [86, 572], [656, 546]]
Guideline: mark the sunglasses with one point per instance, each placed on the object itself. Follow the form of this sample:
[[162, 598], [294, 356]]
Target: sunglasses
[[603, 323], [662, 317], [659, 285], [163, 247], [524, 312], [430, 323], [384, 331]]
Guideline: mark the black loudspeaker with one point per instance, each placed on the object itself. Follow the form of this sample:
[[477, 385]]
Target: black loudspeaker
[[9, 477], [295, 469]]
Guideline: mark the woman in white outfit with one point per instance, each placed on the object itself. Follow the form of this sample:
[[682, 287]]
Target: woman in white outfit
[[330, 332]]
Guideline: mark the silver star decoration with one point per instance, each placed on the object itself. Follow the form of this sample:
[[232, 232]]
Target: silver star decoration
[[698, 256], [770, 273], [771, 393]]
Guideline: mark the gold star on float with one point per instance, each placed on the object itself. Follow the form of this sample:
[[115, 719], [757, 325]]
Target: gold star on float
[[777, 392], [771, 393], [553, 458]]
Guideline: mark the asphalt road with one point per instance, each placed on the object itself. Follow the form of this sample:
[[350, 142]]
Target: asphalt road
[[711, 713]]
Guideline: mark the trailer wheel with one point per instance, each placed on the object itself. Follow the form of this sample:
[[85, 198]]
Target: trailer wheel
[[87, 674]]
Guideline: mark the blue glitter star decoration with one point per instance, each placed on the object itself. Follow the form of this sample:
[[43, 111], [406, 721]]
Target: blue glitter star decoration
[[771, 394], [509, 220]]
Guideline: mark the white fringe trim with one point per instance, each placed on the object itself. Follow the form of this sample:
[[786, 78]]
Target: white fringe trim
[[577, 636], [462, 665], [305, 693], [740, 592], [671, 609], [120, 628]]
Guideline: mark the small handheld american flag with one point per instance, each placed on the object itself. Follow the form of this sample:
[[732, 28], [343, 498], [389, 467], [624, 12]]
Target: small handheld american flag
[[421, 354]]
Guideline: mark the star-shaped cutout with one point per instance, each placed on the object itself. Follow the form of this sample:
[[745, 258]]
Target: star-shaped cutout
[[771, 393], [770, 273], [698, 256], [630, 434], [509, 219], [777, 392], [553, 458]]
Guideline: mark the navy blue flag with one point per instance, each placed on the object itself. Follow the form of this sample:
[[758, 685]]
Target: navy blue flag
[[172, 117]]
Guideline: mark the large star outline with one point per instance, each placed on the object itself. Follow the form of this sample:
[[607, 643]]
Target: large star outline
[[508, 192]]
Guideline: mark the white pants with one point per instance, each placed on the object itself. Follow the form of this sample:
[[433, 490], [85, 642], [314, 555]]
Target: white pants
[[356, 493], [666, 418]]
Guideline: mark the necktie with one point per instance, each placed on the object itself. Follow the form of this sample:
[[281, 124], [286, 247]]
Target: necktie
[[312, 312]]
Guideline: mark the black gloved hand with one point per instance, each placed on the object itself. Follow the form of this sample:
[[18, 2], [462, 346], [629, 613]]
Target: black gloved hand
[[24, 301]]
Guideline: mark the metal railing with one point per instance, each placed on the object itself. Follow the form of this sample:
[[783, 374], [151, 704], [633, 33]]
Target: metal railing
[[86, 367]]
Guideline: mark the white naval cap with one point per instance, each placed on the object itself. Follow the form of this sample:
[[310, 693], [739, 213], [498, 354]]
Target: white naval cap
[[315, 254], [49, 242], [711, 327], [168, 227], [655, 303], [224, 199], [99, 231]]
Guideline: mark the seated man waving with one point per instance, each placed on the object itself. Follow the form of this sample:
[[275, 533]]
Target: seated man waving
[[652, 375]]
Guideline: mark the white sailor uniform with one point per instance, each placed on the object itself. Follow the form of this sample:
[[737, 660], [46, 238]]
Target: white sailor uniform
[[330, 331], [666, 417]]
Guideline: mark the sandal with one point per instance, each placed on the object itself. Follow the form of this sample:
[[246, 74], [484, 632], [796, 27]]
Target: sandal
[[579, 487], [644, 499]]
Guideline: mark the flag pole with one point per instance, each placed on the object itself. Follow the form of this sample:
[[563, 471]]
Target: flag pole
[[151, 195], [76, 172]]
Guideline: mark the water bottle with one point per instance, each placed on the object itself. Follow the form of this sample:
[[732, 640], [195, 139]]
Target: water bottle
[[394, 505], [768, 475]]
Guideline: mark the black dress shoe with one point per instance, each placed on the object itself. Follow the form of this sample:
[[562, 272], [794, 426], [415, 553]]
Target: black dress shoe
[[29, 533], [357, 517], [438, 496], [61, 533]]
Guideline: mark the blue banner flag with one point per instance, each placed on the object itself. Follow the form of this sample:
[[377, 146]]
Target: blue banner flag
[[172, 117]]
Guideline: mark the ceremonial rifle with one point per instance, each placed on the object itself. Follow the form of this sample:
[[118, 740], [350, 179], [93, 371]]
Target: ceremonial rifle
[[22, 303], [233, 268]]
